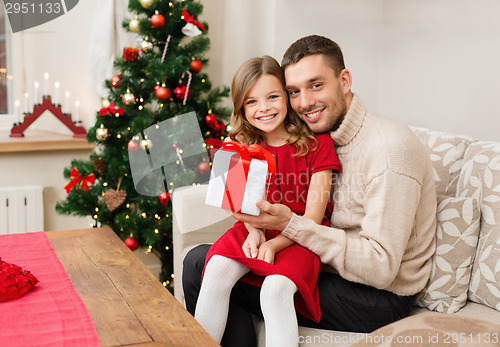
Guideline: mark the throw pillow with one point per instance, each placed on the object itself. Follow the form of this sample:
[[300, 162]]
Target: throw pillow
[[447, 153], [456, 240], [480, 178]]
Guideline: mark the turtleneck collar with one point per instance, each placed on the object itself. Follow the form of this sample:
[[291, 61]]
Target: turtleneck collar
[[351, 123]]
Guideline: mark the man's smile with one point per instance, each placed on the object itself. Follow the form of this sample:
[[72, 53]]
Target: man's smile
[[312, 116]]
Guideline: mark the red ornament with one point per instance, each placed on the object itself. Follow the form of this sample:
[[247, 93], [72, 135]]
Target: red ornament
[[132, 243], [213, 143], [132, 146], [157, 20], [162, 92], [218, 127], [130, 53], [211, 119], [196, 66], [203, 168], [116, 80], [179, 93], [164, 198]]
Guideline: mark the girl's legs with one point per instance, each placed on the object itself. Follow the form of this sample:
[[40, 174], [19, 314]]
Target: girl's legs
[[276, 301], [211, 312]]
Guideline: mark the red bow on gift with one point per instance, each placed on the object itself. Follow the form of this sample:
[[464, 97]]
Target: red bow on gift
[[190, 19], [76, 178], [111, 109], [248, 152]]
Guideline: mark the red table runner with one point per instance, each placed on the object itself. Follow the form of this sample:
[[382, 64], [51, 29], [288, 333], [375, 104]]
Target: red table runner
[[52, 314]]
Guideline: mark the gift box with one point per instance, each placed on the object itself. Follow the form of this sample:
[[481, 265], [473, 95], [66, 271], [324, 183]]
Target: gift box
[[239, 177], [130, 53]]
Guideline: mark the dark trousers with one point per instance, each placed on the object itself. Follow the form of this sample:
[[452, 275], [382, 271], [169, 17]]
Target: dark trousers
[[345, 306]]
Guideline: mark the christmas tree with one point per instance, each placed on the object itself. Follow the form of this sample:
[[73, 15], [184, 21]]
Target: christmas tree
[[156, 83]]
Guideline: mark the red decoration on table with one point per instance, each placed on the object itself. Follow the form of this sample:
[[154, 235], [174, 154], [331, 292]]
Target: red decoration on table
[[47, 105], [116, 80], [83, 180], [132, 243], [130, 53], [162, 92], [190, 19], [14, 281], [196, 66], [52, 314], [164, 198], [111, 109], [157, 20]]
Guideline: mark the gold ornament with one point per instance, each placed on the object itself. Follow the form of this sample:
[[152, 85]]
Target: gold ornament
[[134, 25], [146, 3], [105, 103], [128, 98], [101, 133], [146, 46]]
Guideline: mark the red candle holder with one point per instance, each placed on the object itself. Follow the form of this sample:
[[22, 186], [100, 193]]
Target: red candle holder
[[47, 105]]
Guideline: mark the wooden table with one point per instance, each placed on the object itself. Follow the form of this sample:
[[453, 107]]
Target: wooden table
[[128, 305]]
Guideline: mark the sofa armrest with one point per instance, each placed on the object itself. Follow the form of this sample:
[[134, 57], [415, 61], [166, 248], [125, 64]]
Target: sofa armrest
[[194, 223]]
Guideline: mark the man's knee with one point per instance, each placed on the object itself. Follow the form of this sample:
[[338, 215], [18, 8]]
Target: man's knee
[[194, 261]]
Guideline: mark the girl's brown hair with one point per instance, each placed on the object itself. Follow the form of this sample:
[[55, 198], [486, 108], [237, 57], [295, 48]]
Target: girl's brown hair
[[241, 130]]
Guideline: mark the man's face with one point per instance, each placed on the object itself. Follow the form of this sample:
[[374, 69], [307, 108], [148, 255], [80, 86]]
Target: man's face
[[316, 93]]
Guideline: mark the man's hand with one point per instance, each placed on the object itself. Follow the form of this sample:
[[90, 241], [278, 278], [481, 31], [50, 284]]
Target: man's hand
[[272, 216], [254, 239]]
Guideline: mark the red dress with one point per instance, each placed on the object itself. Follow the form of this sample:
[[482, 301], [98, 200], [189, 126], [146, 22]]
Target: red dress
[[288, 186]]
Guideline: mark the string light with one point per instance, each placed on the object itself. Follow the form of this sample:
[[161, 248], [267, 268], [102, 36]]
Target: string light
[[143, 214], [156, 231]]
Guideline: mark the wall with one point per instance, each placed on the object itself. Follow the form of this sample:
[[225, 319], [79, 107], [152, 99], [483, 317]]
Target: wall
[[426, 63]]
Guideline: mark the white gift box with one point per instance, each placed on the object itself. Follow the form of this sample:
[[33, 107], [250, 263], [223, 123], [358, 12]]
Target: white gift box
[[237, 183]]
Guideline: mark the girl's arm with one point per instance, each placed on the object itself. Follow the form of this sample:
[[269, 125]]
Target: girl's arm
[[317, 199]]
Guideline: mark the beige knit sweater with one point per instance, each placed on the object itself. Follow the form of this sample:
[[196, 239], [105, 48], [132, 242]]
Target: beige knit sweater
[[384, 217]]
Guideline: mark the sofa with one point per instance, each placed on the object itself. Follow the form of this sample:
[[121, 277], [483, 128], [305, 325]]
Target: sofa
[[461, 301]]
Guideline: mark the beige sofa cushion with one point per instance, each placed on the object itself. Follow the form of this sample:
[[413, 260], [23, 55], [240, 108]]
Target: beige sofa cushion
[[480, 178], [456, 241], [446, 152]]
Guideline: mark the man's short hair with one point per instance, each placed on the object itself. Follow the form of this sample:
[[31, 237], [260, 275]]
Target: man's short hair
[[312, 45]]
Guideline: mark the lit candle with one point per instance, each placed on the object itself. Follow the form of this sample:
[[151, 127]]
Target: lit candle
[[18, 112], [46, 84], [66, 103], [35, 98], [26, 103], [77, 111], [56, 97]]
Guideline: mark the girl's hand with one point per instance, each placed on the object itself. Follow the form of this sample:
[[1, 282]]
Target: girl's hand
[[254, 239], [267, 251]]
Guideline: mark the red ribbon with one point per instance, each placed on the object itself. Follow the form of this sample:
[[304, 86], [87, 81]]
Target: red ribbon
[[76, 178], [111, 109], [190, 19], [250, 152], [239, 167]]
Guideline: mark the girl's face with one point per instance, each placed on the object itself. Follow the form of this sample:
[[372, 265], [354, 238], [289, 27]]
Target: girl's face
[[265, 108]]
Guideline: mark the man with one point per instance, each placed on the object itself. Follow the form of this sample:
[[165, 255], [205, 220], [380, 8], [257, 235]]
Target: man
[[378, 249]]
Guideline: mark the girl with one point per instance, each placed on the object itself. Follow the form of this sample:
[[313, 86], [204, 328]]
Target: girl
[[264, 257]]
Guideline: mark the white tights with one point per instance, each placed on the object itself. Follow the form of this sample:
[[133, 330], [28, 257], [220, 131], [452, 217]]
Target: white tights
[[276, 301]]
